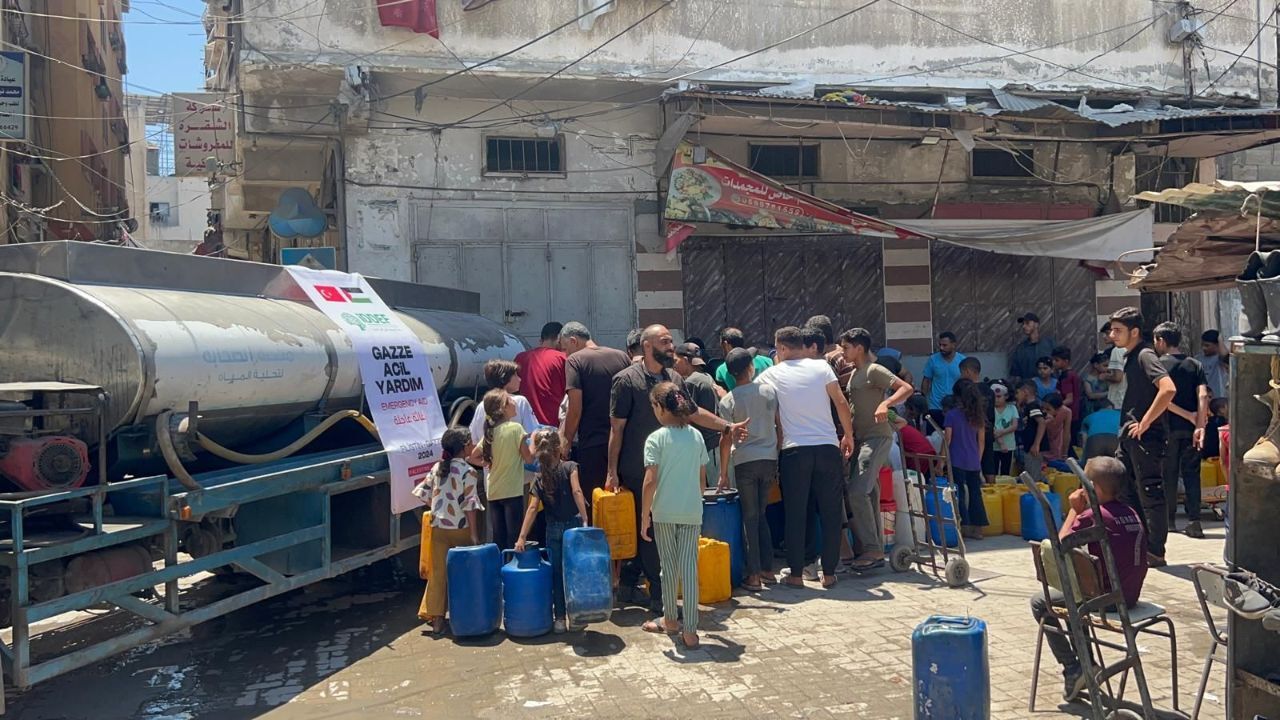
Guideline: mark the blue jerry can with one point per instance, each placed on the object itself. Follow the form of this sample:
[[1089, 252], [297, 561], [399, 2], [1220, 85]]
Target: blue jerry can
[[950, 677], [588, 576], [1033, 527], [722, 520], [526, 593], [931, 499], [475, 589]]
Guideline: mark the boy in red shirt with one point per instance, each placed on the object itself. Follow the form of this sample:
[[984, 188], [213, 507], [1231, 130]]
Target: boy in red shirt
[[1128, 543]]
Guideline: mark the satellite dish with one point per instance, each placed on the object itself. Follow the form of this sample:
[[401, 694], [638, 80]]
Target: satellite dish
[[296, 215]]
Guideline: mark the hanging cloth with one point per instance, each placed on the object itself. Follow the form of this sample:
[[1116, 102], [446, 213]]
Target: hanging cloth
[[589, 10], [417, 15]]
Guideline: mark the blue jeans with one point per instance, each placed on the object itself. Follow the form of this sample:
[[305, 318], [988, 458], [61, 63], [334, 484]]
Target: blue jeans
[[555, 548]]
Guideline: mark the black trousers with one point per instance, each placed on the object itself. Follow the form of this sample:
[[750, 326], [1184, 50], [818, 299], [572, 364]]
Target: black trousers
[[1144, 459], [646, 560], [811, 475], [1182, 460], [506, 516], [593, 465], [1059, 645]]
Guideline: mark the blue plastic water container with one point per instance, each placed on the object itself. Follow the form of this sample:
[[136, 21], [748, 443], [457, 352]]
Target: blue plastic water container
[[722, 520], [475, 589], [526, 593], [931, 499], [588, 576], [949, 670], [1033, 527]]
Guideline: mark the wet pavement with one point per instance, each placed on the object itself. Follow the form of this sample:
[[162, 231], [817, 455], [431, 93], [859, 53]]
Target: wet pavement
[[354, 648]]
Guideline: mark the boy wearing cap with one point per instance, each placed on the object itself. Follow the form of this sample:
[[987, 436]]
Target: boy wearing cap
[[1022, 361], [1004, 440], [702, 389]]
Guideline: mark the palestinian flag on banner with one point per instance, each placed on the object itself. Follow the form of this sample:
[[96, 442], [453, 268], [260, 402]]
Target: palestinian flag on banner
[[356, 295]]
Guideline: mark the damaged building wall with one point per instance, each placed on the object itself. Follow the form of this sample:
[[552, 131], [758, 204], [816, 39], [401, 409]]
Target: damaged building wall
[[422, 207], [901, 178], [879, 44]]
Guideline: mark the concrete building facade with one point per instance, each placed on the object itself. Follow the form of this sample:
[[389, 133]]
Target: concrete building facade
[[68, 180], [522, 152]]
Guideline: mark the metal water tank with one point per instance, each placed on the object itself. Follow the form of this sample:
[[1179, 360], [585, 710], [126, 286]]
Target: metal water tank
[[159, 330]]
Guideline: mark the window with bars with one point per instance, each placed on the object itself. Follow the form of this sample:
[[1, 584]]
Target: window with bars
[[787, 161], [524, 156], [1001, 163]]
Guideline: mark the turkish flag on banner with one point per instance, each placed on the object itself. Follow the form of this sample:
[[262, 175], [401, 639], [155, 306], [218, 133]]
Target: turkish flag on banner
[[417, 15]]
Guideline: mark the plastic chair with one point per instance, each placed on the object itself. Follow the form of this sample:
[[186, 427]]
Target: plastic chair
[[1210, 588]]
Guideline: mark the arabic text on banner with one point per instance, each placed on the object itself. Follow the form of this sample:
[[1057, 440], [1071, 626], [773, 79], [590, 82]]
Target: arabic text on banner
[[393, 367]]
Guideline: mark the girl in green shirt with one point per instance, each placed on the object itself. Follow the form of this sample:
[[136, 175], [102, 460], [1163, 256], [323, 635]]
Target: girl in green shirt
[[675, 458], [503, 450]]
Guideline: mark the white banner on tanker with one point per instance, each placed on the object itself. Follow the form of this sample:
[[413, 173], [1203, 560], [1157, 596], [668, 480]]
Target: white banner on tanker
[[203, 128], [398, 384]]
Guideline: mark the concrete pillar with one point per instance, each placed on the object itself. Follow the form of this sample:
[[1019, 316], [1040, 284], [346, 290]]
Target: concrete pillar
[[908, 304]]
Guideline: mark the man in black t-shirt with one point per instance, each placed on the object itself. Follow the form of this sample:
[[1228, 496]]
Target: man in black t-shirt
[[1187, 416], [1143, 434]]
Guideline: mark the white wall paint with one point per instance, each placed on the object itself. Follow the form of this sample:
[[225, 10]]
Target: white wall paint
[[884, 42], [188, 199]]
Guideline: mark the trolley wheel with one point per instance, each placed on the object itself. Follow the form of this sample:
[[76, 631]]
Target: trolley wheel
[[957, 572], [900, 559]]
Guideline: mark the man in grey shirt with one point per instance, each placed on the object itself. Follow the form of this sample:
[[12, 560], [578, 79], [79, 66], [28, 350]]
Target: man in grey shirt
[[754, 460]]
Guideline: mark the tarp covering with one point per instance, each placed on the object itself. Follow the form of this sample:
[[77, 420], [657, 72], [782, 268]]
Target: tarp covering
[[1101, 238]]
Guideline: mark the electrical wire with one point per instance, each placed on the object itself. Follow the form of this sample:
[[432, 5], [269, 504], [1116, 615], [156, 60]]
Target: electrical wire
[[589, 53], [482, 63], [1102, 54], [1015, 52], [1230, 67], [243, 19]]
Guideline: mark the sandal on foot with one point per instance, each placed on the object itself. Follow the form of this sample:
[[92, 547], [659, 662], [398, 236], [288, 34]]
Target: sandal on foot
[[864, 566], [657, 626], [794, 582], [829, 582], [692, 645]]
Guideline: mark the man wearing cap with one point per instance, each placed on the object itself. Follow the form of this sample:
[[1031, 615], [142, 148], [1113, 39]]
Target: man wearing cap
[[1022, 361], [692, 367]]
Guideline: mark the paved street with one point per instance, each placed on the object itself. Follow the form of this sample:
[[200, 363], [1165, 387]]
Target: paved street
[[353, 648]]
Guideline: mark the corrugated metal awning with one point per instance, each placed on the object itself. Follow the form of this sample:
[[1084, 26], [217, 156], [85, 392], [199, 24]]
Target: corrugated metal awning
[[1221, 196], [1206, 252]]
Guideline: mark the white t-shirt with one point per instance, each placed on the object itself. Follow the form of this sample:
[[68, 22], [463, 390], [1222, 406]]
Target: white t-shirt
[[1115, 393], [524, 416], [803, 404]]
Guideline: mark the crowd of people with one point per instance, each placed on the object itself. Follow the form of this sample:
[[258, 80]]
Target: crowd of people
[[820, 414]]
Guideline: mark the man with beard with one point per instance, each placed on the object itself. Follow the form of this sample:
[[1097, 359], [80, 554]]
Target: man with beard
[[633, 419]]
